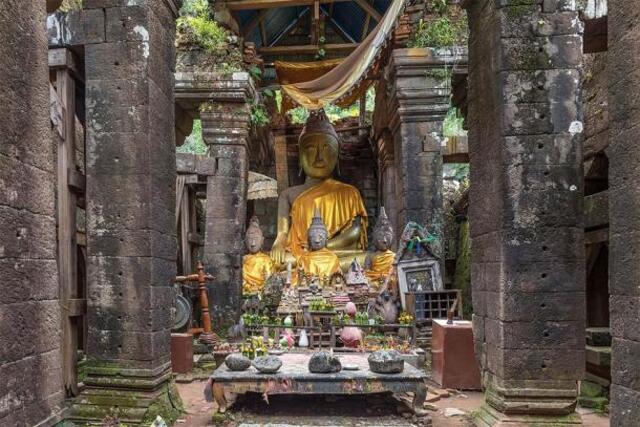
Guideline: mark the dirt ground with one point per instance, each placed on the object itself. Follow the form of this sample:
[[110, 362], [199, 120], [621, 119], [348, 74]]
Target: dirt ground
[[375, 410]]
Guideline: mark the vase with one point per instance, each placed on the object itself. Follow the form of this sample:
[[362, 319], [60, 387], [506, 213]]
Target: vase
[[303, 341]]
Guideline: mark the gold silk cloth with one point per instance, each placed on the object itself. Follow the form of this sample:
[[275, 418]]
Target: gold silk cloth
[[347, 81], [380, 265], [297, 72], [338, 203], [254, 269], [321, 263]]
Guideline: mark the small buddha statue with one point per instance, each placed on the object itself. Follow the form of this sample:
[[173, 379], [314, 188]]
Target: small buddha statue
[[340, 205], [256, 265], [319, 261], [378, 263]]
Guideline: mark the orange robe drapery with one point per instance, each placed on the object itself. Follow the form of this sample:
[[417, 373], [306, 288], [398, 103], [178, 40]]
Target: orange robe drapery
[[254, 269], [380, 265], [321, 263], [338, 203]]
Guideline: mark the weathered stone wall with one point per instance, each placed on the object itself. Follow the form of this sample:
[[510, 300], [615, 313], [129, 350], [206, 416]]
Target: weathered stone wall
[[31, 385], [624, 209], [131, 236], [527, 272]]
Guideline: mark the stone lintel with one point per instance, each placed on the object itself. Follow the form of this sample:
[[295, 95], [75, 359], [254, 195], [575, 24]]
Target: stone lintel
[[198, 87], [195, 164]]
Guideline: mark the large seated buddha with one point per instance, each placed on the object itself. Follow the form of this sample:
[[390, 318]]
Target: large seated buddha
[[340, 205]]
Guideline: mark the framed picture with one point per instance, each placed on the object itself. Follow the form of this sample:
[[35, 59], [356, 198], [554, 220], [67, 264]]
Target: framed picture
[[418, 275]]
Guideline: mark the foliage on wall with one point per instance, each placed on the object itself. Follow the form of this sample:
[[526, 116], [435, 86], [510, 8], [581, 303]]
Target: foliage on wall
[[194, 144], [70, 5], [445, 27], [196, 27]]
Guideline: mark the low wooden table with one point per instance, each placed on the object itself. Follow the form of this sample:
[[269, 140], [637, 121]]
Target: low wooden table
[[295, 378]]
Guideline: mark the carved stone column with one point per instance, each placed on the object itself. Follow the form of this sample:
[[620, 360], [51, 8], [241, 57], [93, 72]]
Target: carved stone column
[[624, 211], [418, 103], [525, 147], [225, 129], [131, 237]]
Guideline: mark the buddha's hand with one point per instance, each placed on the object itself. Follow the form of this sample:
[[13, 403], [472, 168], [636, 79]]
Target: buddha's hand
[[278, 250]]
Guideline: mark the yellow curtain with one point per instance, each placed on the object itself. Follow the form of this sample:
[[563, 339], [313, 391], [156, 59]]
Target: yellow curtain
[[345, 82]]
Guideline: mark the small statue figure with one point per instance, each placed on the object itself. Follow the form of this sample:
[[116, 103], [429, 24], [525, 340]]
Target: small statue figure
[[355, 275], [256, 265], [319, 261], [378, 264]]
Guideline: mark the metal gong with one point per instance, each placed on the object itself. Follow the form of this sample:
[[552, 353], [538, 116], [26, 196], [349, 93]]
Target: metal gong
[[182, 313]]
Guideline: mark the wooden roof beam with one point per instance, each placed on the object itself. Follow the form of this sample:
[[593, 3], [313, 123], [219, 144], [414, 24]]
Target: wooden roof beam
[[306, 49], [270, 4], [369, 9], [257, 20]]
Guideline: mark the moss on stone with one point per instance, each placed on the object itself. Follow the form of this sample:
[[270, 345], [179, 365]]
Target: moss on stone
[[168, 405]]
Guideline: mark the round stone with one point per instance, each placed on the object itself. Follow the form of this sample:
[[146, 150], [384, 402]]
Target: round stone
[[267, 364], [324, 363], [237, 362], [386, 362]]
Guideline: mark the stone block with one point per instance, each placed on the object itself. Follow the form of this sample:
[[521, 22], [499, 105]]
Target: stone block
[[127, 24], [552, 306], [118, 153], [599, 337], [137, 348], [598, 356], [25, 186], [29, 235], [624, 410], [116, 61], [624, 250], [522, 245], [624, 362], [541, 53], [539, 86], [100, 4], [535, 364], [566, 335], [547, 276], [625, 317], [525, 21], [29, 280]]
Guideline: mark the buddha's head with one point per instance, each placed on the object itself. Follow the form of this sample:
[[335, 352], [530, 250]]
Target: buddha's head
[[383, 232], [317, 233], [318, 146], [254, 238]]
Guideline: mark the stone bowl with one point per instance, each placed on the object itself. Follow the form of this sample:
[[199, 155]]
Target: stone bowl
[[237, 362], [386, 362], [267, 364]]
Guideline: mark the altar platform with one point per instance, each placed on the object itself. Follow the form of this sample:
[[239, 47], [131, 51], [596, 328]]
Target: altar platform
[[295, 378]]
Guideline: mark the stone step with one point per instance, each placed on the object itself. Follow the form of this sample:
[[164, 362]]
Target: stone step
[[599, 337], [596, 379], [599, 356]]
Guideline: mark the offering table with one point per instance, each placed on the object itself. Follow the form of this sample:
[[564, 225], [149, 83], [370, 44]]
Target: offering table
[[294, 378]]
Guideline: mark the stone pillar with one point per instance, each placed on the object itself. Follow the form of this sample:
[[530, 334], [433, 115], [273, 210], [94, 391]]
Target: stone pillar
[[131, 238], [418, 102], [31, 385], [624, 211], [225, 129], [527, 268], [387, 179]]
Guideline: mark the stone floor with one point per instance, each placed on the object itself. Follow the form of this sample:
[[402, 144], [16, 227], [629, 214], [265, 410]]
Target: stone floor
[[379, 410]]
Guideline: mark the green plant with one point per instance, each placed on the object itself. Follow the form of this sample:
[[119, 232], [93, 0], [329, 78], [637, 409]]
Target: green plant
[[70, 5], [259, 116], [194, 144], [195, 8], [439, 6], [202, 31], [453, 124], [362, 318], [440, 32]]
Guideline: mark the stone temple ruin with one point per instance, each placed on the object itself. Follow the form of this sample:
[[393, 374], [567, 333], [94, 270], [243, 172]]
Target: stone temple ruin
[[358, 185]]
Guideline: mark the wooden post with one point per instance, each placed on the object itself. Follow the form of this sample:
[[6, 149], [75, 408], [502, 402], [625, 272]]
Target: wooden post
[[207, 335], [185, 230], [62, 60]]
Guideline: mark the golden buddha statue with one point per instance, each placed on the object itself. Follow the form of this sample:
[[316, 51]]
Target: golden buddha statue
[[340, 205], [256, 265], [378, 264], [319, 261]]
